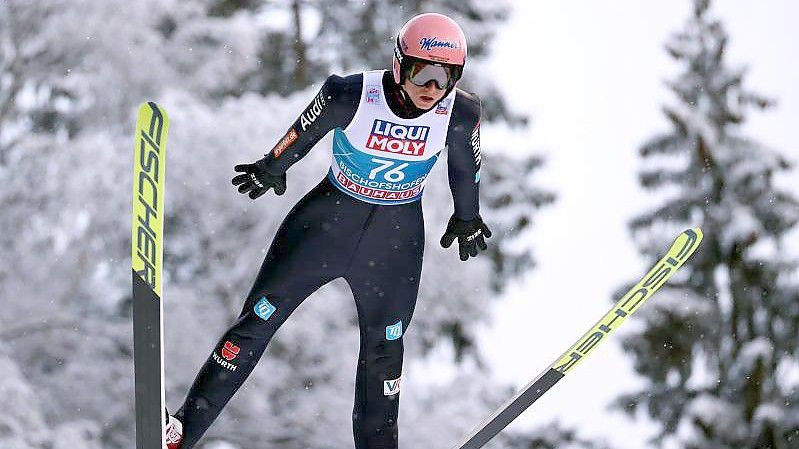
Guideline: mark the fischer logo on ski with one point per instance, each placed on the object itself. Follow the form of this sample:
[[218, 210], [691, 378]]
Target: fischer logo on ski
[[631, 301], [148, 196], [682, 248], [147, 250]]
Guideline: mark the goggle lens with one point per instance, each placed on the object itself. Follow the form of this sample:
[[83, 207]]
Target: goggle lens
[[421, 73]]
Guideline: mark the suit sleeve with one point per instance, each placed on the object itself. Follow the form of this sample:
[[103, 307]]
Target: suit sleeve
[[333, 106], [463, 158]]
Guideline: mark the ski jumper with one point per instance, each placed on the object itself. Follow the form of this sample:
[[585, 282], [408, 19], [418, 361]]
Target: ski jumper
[[363, 222]]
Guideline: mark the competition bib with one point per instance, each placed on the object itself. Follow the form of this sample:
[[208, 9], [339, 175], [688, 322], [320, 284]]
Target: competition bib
[[381, 158]]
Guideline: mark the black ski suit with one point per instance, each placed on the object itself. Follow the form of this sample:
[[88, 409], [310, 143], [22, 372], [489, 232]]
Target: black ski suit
[[331, 233]]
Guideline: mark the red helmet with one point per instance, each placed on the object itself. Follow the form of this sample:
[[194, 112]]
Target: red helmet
[[432, 38]]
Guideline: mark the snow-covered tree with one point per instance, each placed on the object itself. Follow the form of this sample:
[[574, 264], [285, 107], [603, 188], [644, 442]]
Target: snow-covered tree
[[21, 423], [303, 42], [718, 346], [66, 214]]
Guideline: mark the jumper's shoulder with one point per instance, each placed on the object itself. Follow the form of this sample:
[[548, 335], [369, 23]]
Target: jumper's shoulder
[[346, 85], [467, 105]]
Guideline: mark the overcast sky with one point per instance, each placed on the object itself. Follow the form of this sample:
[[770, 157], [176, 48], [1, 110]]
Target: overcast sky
[[591, 76]]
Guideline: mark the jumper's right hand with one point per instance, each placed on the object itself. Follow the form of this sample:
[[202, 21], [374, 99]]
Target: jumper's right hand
[[257, 181]]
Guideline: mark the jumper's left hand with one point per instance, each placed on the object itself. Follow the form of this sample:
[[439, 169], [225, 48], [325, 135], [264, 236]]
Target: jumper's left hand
[[471, 235]]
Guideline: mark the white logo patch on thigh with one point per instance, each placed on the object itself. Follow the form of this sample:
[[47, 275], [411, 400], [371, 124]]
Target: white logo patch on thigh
[[391, 387]]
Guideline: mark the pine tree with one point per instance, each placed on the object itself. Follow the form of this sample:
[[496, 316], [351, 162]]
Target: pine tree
[[354, 36], [67, 318], [36, 96], [716, 348]]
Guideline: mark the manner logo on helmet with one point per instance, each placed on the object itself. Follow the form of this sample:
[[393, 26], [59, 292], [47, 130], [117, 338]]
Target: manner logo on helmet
[[264, 309], [394, 138], [429, 43], [394, 331], [391, 387]]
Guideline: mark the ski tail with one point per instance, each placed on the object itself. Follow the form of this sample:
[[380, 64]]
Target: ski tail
[[147, 266], [682, 248]]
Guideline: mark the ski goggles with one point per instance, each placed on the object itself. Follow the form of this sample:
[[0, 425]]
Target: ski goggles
[[420, 73]]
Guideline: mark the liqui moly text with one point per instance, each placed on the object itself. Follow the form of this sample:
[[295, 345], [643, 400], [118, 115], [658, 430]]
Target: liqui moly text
[[400, 139]]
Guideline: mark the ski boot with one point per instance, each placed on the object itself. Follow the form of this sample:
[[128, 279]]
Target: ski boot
[[173, 432]]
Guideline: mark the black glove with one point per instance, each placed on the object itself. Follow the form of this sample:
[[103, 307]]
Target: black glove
[[470, 235], [257, 180]]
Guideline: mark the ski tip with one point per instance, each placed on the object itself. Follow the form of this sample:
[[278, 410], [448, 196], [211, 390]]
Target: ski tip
[[695, 232], [685, 244], [152, 106]]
